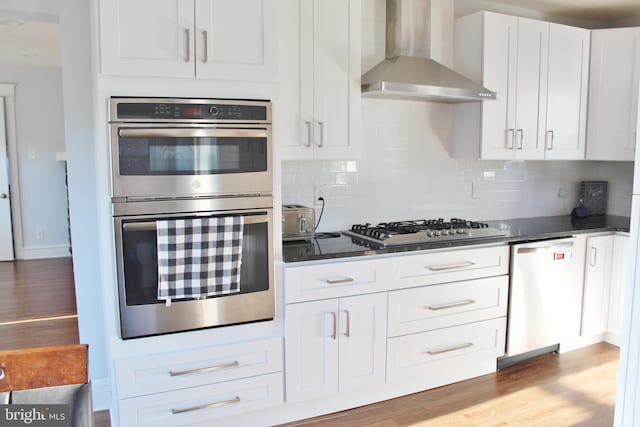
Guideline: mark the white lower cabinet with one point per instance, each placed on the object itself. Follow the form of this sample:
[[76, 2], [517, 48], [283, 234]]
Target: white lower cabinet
[[334, 345], [619, 277], [597, 279], [201, 404], [440, 306], [185, 387], [447, 355]]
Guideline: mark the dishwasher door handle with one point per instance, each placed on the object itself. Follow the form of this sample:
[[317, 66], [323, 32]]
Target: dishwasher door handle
[[548, 248]]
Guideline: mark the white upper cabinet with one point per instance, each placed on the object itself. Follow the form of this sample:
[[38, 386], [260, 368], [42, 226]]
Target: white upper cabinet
[[217, 39], [568, 77], [523, 60], [320, 57], [613, 94]]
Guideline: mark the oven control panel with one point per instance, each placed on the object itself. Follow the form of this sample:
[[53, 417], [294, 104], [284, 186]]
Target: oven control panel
[[174, 109]]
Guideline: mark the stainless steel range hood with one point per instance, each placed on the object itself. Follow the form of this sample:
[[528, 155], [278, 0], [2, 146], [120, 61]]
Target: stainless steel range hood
[[417, 32]]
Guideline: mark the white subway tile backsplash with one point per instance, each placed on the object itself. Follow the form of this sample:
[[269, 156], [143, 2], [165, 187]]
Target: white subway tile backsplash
[[405, 172]]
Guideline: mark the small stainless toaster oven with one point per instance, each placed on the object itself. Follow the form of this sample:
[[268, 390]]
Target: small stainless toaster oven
[[297, 222]]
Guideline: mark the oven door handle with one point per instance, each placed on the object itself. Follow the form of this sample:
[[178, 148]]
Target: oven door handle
[[151, 225], [192, 133]]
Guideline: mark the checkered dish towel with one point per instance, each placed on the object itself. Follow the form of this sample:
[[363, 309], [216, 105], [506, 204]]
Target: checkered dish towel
[[199, 257]]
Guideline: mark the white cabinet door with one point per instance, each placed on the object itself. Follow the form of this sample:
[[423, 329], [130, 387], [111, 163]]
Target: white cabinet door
[[363, 339], [236, 39], [619, 278], [147, 37], [320, 56], [597, 278], [533, 42], [500, 46], [311, 351], [567, 92], [613, 94]]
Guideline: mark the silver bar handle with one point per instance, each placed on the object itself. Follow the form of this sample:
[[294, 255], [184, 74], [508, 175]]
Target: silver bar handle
[[548, 248], [309, 130], [206, 405], [340, 281], [348, 332], [187, 33], [521, 138], [438, 307], [449, 349], [151, 225], [550, 146], [594, 256], [205, 46], [509, 141], [321, 143], [450, 266], [233, 364], [334, 335], [196, 132]]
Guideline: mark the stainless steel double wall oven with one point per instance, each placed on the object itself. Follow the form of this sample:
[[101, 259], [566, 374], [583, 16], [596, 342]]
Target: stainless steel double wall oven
[[181, 159]]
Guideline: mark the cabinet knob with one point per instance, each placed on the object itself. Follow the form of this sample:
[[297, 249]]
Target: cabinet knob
[[3, 196]]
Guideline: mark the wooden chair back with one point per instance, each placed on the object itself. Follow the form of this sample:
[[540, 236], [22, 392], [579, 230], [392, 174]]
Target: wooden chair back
[[43, 367]]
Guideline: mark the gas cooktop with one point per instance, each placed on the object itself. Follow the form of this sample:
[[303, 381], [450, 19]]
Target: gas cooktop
[[422, 231]]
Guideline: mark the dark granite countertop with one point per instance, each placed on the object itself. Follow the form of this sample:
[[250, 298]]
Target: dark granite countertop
[[516, 230]]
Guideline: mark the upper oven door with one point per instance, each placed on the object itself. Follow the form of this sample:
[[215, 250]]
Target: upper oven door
[[162, 160]]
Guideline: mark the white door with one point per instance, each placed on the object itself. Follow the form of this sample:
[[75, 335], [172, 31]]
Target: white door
[[613, 94], [311, 349], [6, 233], [363, 339], [595, 305], [533, 45], [236, 40], [567, 92], [337, 78], [147, 37], [499, 74]]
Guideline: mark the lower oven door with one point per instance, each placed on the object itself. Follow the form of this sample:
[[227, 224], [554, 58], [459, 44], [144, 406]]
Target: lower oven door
[[143, 314]]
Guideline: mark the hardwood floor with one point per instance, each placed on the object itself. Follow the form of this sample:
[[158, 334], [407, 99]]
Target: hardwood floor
[[37, 303], [572, 389]]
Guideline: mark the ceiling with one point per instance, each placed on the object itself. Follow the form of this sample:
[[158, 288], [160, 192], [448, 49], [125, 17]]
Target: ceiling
[[29, 43], [595, 10]]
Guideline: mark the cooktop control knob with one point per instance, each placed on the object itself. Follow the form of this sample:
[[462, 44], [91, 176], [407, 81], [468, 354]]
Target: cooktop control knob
[[214, 111]]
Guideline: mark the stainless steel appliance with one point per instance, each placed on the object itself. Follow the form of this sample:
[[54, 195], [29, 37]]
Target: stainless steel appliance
[[298, 222], [422, 231], [545, 295], [186, 159], [416, 29], [168, 147]]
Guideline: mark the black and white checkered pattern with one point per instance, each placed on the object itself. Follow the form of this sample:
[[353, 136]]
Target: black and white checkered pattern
[[199, 257]]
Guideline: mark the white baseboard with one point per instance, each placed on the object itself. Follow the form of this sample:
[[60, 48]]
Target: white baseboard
[[38, 252], [580, 342], [101, 394]]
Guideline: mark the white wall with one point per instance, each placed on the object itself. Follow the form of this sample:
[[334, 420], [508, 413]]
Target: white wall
[[40, 134]]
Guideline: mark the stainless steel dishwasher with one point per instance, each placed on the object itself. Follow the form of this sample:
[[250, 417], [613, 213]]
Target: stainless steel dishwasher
[[545, 295]]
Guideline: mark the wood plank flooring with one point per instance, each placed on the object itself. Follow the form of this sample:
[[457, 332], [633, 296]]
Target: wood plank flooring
[[573, 389]]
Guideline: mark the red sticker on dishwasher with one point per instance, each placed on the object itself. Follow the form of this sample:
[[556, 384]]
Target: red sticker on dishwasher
[[557, 256]]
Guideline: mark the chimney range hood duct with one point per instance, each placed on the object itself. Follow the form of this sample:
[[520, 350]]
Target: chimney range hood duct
[[416, 32]]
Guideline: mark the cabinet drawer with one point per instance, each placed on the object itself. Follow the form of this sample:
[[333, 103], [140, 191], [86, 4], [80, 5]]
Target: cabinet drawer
[[448, 266], [446, 352], [333, 280], [201, 404], [441, 306], [171, 371]]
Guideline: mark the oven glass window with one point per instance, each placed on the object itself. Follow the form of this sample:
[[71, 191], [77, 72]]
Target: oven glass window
[[192, 156], [140, 257]]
